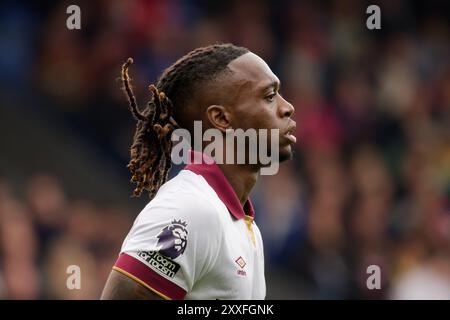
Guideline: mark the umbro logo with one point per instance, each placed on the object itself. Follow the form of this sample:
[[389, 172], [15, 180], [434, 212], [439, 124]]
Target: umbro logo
[[241, 263]]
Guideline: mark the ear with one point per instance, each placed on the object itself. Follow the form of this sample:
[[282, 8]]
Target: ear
[[219, 117]]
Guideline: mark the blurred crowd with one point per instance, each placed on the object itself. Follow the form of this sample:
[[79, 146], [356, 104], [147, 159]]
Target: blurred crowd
[[370, 180], [43, 232]]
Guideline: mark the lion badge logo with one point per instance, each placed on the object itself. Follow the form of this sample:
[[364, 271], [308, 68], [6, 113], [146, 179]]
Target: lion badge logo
[[172, 239]]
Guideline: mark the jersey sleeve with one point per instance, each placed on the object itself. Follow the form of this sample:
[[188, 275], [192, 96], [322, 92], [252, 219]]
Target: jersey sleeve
[[173, 242]]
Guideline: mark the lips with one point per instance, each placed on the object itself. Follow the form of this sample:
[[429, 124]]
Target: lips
[[290, 133], [291, 138]]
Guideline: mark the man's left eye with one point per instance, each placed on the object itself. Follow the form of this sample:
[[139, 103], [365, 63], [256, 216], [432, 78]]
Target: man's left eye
[[271, 97]]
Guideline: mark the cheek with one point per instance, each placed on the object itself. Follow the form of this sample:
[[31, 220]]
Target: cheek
[[256, 116], [265, 120]]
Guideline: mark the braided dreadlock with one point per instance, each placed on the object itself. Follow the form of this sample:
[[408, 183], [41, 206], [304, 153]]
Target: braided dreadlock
[[152, 145]]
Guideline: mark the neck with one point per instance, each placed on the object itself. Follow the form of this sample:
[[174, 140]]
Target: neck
[[242, 178]]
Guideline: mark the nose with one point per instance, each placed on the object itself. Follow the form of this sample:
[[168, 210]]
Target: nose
[[286, 108]]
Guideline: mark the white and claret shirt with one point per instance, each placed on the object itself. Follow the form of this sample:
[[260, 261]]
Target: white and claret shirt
[[194, 240]]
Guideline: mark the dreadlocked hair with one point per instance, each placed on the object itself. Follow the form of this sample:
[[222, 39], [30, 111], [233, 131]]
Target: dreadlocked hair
[[151, 148]]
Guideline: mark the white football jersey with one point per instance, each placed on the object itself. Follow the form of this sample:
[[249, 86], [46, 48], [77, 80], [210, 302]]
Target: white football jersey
[[194, 240]]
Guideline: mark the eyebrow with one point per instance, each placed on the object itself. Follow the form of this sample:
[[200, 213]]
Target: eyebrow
[[274, 84]]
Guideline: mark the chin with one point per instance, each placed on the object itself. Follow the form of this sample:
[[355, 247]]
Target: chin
[[286, 153]]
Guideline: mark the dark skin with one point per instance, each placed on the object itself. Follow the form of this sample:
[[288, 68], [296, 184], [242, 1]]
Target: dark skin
[[248, 97], [120, 287], [256, 104]]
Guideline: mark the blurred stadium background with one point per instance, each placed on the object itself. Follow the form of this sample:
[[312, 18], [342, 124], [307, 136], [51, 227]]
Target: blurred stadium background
[[370, 182]]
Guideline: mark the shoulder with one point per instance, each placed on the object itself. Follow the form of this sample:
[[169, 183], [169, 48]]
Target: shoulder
[[186, 197], [181, 222]]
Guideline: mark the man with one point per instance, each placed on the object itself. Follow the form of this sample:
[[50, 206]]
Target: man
[[196, 238]]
